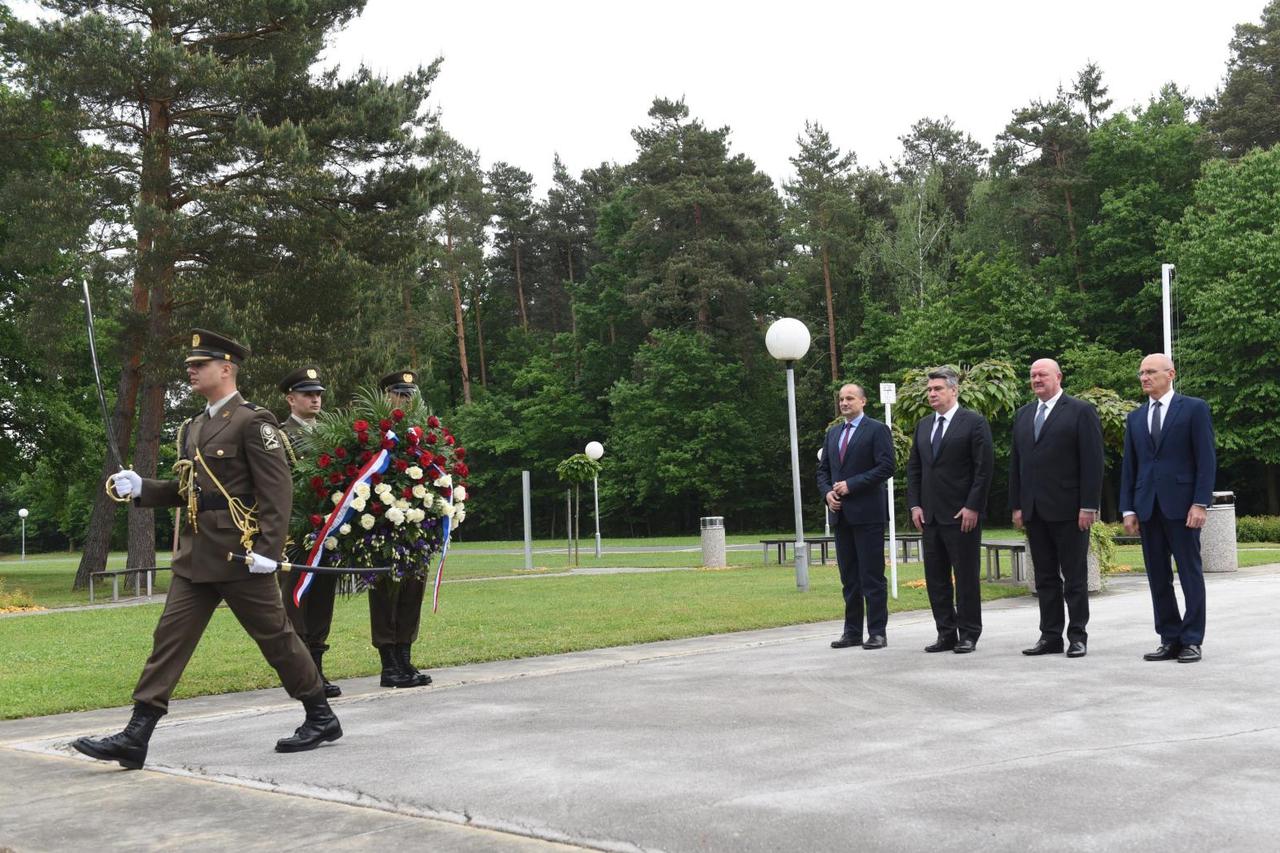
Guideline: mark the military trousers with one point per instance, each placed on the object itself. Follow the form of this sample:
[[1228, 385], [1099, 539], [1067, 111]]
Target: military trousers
[[314, 618], [255, 602], [395, 611]]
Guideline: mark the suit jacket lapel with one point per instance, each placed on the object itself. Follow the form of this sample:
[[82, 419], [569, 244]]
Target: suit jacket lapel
[[1175, 408], [1049, 420], [853, 439], [219, 423], [193, 435]]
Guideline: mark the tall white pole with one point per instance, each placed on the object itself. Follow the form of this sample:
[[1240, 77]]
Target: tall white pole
[[528, 520], [802, 555], [595, 488], [24, 538], [1166, 299], [893, 526]]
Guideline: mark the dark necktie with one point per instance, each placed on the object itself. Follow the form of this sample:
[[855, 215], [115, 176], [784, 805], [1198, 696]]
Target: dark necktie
[[844, 438], [1040, 416], [1155, 424], [936, 441]]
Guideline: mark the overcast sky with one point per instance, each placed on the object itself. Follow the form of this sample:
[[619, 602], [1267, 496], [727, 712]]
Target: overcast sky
[[523, 80]]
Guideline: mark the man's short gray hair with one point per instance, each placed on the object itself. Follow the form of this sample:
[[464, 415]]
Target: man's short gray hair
[[946, 374]]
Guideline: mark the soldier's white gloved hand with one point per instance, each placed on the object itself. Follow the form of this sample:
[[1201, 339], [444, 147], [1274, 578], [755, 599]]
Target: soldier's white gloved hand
[[126, 483], [261, 565]]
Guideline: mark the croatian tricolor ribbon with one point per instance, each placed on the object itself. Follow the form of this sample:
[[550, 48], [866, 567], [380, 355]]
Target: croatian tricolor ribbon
[[376, 465], [446, 524]]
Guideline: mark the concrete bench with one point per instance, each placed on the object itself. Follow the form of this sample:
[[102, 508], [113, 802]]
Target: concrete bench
[[115, 574], [907, 542], [1017, 550]]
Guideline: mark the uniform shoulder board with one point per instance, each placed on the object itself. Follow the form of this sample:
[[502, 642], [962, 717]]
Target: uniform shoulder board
[[253, 407]]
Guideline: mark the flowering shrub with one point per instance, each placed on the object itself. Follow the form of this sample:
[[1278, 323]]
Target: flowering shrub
[[378, 485]]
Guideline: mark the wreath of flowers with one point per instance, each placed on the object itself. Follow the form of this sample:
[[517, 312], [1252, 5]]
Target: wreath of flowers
[[375, 510]]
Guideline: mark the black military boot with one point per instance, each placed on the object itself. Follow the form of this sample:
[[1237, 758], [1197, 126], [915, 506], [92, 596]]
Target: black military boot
[[319, 726], [393, 675], [420, 679], [331, 690], [130, 746]]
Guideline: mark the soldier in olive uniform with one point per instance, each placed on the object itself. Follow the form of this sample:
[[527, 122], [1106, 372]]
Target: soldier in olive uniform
[[234, 482], [312, 619], [395, 608]]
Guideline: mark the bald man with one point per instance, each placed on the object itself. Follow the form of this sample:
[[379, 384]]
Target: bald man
[[1055, 489], [1166, 487]]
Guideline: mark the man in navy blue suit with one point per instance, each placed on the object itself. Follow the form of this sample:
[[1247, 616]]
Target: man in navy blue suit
[[857, 461], [1166, 486]]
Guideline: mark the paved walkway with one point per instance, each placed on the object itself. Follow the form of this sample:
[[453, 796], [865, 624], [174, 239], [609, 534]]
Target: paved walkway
[[758, 741]]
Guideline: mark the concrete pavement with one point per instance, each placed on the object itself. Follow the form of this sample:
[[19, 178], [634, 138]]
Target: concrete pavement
[[763, 740]]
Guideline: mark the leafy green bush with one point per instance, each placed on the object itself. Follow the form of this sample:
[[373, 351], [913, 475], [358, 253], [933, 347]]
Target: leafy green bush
[[1102, 544], [1258, 528]]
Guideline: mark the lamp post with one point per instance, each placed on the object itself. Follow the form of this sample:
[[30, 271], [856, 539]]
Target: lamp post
[[826, 513], [788, 340], [594, 451], [22, 514]]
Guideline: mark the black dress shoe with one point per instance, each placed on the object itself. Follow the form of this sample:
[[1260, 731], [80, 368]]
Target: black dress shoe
[[1190, 654], [1164, 651], [964, 647], [1077, 650], [845, 641], [875, 641], [319, 727], [943, 644], [1044, 647]]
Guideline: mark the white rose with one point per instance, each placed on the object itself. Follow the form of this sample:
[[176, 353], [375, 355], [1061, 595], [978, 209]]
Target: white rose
[[382, 488], [460, 493], [402, 505], [362, 490], [358, 504], [459, 517], [344, 529], [419, 491], [331, 543], [442, 506], [337, 498], [366, 521], [395, 516], [414, 472], [444, 481], [415, 515]]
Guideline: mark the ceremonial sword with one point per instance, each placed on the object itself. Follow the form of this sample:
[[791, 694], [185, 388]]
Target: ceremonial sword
[[317, 570], [97, 378]]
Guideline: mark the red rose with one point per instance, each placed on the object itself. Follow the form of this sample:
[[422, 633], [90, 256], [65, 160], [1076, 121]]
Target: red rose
[[459, 453], [317, 482], [385, 424], [431, 438], [375, 507], [448, 439], [398, 414], [340, 452], [375, 479], [388, 444], [444, 493], [335, 477], [324, 460], [406, 493], [351, 470], [317, 520], [362, 437], [401, 465], [433, 421], [365, 456], [361, 426], [461, 469]]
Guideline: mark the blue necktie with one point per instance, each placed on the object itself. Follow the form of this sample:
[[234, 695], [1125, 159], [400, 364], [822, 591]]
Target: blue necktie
[[1155, 424], [936, 441]]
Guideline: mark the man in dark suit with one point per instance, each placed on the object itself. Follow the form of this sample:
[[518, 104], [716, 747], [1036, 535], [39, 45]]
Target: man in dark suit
[[235, 490], [948, 478], [1166, 486], [857, 461], [1055, 489]]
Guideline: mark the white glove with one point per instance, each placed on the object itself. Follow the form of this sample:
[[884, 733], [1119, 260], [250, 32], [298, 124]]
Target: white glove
[[126, 483], [261, 565]]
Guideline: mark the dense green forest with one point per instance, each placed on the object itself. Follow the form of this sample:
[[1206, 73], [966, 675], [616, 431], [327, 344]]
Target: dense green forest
[[195, 165]]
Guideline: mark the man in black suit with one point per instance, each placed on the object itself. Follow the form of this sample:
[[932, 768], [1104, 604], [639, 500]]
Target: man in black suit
[[856, 462], [1055, 488], [948, 477], [1166, 487]]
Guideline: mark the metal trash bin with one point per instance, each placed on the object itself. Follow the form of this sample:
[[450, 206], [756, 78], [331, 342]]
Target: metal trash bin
[[1218, 538], [713, 556]]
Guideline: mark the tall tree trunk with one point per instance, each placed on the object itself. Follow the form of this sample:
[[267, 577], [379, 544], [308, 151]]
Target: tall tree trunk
[[410, 325], [524, 318], [831, 314], [1060, 159], [475, 309], [458, 324]]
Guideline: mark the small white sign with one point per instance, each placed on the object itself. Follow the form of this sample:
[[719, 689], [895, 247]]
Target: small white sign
[[888, 393]]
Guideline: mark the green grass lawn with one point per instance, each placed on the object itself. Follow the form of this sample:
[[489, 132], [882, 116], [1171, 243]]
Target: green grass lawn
[[90, 659]]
